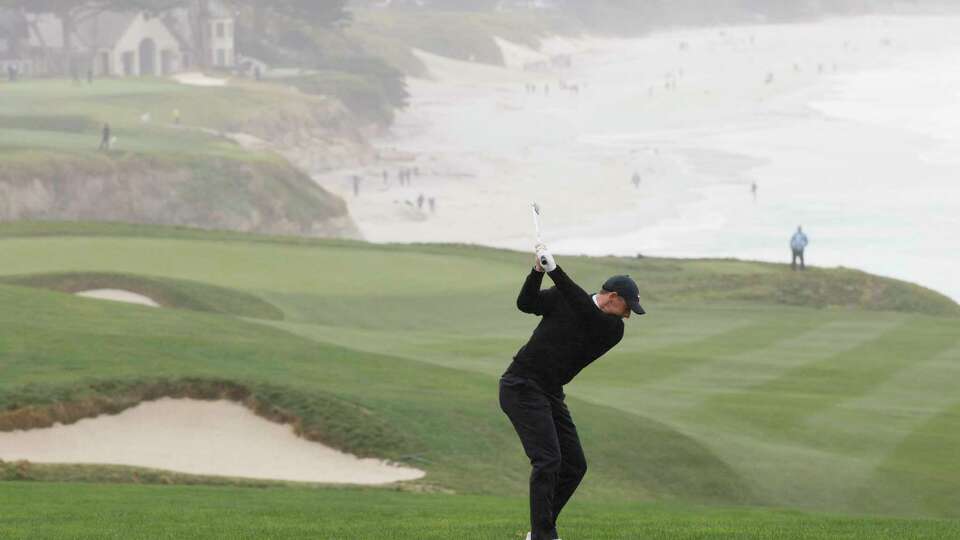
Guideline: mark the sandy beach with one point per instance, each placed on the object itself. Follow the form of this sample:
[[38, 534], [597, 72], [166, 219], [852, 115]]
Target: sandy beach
[[847, 126]]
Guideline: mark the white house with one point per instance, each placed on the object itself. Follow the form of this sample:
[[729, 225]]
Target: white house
[[130, 44], [209, 30], [221, 43], [121, 44]]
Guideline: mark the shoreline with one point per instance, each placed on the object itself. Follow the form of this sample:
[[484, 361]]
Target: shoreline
[[690, 111]]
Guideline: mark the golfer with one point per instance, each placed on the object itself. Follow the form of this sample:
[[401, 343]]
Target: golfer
[[576, 328]]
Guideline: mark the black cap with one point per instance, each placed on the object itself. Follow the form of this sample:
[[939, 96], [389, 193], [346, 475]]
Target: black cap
[[627, 289]]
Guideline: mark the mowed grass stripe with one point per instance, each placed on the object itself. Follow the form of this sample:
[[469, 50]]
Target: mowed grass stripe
[[878, 421], [757, 366], [677, 325], [782, 406], [667, 362], [927, 457], [872, 427], [790, 468]]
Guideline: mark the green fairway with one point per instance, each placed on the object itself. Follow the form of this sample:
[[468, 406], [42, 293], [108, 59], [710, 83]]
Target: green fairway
[[746, 384], [58, 116]]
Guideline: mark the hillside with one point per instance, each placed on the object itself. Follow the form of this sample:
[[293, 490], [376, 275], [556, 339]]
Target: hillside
[[392, 351], [163, 172]]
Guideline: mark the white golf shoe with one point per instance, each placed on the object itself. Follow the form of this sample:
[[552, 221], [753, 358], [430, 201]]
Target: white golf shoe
[[529, 536]]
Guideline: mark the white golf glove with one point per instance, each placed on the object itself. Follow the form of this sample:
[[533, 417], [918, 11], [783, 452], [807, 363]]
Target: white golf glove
[[545, 260]]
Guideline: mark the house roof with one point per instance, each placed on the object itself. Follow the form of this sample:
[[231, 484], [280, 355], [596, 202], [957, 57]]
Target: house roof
[[104, 30], [45, 30], [178, 22]]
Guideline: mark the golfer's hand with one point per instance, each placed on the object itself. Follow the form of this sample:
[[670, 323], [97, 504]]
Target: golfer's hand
[[544, 259]]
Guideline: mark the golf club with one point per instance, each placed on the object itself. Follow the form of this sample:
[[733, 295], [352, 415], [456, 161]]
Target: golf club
[[536, 225]]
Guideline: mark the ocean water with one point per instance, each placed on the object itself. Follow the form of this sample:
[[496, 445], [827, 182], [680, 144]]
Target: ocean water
[[868, 162], [857, 139]]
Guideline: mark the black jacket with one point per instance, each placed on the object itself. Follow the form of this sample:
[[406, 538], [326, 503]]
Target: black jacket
[[572, 333]]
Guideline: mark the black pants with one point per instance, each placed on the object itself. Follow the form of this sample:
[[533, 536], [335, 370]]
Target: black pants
[[797, 254], [550, 440]]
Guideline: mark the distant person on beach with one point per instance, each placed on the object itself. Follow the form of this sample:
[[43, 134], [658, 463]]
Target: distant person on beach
[[433, 205], [420, 201], [636, 180], [356, 185], [753, 189], [386, 177], [105, 138], [798, 242]]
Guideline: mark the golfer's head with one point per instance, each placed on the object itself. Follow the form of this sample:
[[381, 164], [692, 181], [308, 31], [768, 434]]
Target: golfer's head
[[620, 296]]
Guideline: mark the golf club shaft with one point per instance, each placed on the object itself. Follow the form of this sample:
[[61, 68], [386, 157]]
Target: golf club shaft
[[536, 225]]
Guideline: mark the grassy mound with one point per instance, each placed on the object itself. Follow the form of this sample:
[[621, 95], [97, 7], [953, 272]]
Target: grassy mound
[[315, 416], [73, 360], [725, 392], [172, 293], [712, 281], [669, 281]]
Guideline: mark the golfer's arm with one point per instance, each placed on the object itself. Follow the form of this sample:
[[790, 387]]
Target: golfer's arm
[[579, 299], [531, 299]]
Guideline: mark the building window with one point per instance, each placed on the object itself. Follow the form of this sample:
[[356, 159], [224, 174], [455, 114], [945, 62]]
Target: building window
[[221, 31]]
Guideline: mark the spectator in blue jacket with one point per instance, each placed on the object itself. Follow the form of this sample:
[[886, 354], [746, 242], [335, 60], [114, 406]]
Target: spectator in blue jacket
[[798, 242]]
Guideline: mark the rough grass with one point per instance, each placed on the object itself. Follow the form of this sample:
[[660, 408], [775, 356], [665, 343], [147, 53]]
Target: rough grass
[[171, 293], [153, 512], [25, 471]]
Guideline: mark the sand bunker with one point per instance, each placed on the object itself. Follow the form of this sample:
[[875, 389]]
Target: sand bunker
[[118, 295], [220, 438], [198, 79]]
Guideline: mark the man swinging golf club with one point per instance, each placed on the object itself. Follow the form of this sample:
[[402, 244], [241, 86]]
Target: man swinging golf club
[[576, 328]]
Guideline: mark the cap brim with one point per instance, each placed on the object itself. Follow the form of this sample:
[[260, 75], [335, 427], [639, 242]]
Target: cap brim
[[635, 307]]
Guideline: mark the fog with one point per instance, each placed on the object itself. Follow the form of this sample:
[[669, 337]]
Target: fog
[[681, 131]]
